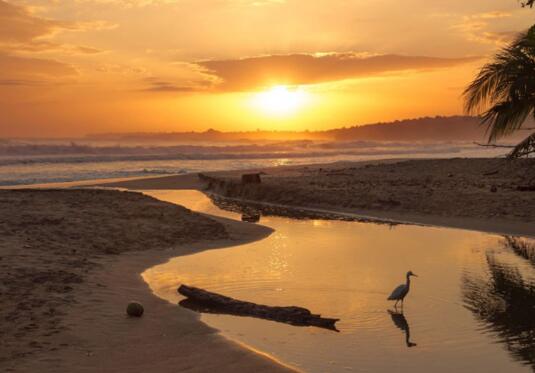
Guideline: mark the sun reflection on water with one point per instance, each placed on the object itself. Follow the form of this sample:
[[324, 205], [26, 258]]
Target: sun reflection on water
[[346, 270]]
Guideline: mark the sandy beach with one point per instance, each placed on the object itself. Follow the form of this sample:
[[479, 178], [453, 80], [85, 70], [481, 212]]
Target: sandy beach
[[491, 195], [71, 261], [485, 195]]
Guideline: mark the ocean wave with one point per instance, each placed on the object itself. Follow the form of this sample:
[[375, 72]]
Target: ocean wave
[[25, 169], [53, 154]]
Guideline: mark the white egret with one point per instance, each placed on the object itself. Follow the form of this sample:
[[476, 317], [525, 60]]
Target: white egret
[[401, 291]]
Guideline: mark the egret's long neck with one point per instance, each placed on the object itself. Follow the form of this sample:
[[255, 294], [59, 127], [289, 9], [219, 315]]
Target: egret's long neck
[[408, 280]]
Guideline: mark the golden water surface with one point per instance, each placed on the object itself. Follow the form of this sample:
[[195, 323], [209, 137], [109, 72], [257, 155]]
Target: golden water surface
[[472, 308]]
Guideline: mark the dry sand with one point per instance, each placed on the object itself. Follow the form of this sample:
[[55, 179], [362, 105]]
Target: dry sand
[[478, 194], [71, 261]]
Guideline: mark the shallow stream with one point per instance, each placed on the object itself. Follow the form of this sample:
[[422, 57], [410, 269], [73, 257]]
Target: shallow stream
[[472, 308]]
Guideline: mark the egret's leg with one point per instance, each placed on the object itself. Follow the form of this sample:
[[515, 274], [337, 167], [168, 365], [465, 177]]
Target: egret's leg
[[396, 304]]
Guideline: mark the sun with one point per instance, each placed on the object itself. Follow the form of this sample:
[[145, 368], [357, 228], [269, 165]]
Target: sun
[[280, 100]]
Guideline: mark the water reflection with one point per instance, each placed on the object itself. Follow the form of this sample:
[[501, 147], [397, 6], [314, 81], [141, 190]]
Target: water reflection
[[344, 269], [401, 322], [505, 301]]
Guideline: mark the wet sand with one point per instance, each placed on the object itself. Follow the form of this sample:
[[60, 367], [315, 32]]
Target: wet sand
[[70, 263]]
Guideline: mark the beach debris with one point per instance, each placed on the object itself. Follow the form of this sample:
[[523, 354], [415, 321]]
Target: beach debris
[[250, 216], [201, 300], [493, 189], [251, 178], [135, 309]]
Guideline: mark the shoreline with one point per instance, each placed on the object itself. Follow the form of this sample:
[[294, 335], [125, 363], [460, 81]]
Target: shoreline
[[166, 338], [230, 189], [100, 337], [489, 195], [96, 334], [380, 217]]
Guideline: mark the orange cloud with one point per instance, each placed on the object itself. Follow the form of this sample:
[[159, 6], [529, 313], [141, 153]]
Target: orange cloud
[[476, 28], [18, 25], [144, 3], [21, 31], [295, 69], [31, 71], [161, 85], [22, 34]]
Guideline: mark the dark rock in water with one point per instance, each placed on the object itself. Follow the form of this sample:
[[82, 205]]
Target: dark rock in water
[[135, 309], [251, 178], [201, 300]]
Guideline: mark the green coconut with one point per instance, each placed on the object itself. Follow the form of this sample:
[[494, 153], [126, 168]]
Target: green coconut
[[134, 309]]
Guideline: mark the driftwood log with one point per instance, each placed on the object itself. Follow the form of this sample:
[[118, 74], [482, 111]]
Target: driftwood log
[[204, 301]]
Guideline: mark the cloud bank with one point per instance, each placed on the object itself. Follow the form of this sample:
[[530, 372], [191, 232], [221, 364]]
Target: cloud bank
[[298, 69]]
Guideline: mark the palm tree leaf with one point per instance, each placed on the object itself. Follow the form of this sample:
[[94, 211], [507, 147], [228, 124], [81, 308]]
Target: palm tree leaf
[[503, 92], [526, 147], [506, 117]]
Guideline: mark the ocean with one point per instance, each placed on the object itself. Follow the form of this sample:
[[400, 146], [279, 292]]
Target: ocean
[[38, 162]]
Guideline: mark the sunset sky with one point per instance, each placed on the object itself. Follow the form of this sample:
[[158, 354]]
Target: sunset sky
[[71, 67]]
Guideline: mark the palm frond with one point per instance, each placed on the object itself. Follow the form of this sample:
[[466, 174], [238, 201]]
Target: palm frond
[[525, 148], [503, 92], [505, 117]]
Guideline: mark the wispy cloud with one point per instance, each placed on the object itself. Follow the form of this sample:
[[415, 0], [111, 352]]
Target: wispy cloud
[[18, 25], [160, 84], [16, 70], [144, 3], [157, 85], [476, 28], [22, 31]]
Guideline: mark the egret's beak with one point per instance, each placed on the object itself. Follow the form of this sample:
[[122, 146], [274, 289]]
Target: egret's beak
[[414, 275]]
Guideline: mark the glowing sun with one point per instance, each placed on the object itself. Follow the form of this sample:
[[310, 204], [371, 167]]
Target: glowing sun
[[280, 100]]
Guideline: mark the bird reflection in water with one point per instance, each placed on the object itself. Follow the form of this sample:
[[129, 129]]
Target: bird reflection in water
[[401, 322], [505, 301]]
